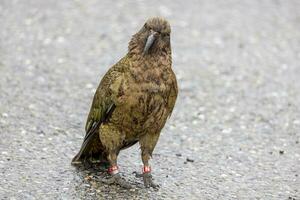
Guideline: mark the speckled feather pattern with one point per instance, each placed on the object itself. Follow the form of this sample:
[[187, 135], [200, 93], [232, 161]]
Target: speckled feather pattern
[[144, 90]]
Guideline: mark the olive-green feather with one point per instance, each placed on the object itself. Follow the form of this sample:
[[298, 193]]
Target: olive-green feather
[[103, 104]]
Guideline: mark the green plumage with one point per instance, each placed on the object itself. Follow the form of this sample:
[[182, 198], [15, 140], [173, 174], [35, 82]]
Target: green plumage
[[133, 100]]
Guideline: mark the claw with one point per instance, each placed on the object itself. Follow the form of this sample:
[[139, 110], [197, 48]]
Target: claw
[[147, 178], [117, 179], [138, 175], [148, 182]]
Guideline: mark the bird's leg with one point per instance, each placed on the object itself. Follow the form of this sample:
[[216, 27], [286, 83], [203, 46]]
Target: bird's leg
[[111, 140], [147, 143], [146, 172], [113, 170]]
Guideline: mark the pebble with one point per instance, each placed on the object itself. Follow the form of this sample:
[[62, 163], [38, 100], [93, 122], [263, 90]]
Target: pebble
[[281, 152], [189, 160]]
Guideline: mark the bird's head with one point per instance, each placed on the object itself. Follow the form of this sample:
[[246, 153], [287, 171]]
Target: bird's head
[[152, 38]]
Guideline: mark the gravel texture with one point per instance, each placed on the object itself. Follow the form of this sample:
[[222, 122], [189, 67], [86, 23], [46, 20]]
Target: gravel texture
[[234, 133]]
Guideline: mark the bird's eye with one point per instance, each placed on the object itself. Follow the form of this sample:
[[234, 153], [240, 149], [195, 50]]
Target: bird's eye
[[146, 27]]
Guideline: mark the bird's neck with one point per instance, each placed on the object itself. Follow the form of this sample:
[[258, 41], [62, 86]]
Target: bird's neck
[[157, 60], [146, 69]]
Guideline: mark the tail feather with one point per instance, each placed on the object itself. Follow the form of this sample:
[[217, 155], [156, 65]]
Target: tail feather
[[87, 149], [91, 146], [76, 160]]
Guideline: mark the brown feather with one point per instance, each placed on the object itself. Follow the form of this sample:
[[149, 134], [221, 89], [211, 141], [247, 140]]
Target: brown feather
[[143, 89]]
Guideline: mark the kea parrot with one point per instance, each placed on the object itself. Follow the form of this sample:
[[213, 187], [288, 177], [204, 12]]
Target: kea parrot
[[132, 102]]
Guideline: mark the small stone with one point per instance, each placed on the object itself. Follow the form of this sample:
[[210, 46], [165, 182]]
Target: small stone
[[189, 160], [226, 131], [243, 127], [41, 132], [88, 178], [22, 150], [296, 122], [178, 154], [281, 152], [31, 106], [223, 175]]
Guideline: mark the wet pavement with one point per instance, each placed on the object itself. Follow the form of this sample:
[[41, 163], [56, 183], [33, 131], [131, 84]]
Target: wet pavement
[[234, 133]]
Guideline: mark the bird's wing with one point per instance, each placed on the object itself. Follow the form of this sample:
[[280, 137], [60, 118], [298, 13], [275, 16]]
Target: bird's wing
[[173, 94], [103, 105], [104, 101]]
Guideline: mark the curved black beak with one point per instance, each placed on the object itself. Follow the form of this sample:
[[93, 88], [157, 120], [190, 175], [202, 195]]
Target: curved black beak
[[150, 40]]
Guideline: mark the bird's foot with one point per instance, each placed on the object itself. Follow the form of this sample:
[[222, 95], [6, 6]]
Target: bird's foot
[[147, 178], [118, 180]]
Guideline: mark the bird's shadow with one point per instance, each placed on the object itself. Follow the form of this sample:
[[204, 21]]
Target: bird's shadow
[[90, 181]]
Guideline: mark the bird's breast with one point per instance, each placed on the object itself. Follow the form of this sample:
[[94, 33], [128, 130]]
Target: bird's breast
[[143, 99], [143, 108]]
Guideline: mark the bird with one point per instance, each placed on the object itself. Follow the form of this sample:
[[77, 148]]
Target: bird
[[132, 103]]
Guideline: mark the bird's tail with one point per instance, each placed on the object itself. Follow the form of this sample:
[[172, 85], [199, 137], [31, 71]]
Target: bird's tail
[[90, 150], [77, 160], [89, 154]]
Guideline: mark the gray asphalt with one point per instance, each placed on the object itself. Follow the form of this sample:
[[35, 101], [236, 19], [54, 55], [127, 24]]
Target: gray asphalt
[[237, 116]]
